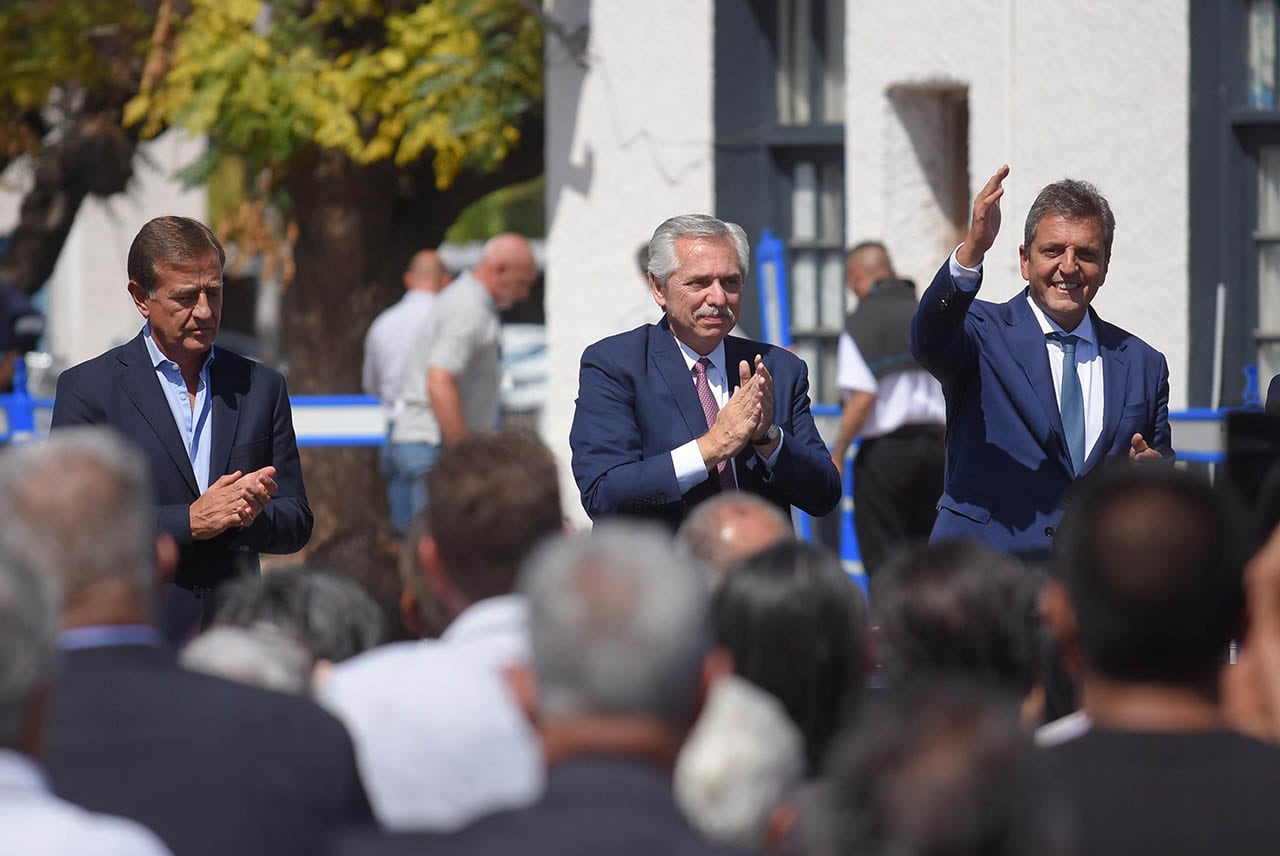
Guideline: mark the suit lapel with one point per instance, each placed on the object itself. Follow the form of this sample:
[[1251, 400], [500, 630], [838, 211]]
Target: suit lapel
[[1027, 342], [227, 384], [668, 362], [139, 382], [1115, 380]]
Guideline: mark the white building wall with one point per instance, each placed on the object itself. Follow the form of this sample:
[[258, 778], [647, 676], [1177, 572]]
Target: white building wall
[[1089, 89], [629, 143], [89, 309]]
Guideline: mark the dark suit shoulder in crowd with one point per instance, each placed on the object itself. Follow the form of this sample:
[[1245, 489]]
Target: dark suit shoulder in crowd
[[591, 806], [1172, 794], [213, 767]]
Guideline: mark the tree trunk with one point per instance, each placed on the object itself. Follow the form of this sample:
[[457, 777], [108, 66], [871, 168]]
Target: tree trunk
[[358, 226]]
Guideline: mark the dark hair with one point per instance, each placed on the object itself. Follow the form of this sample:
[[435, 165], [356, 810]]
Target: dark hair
[[1152, 561], [369, 553], [327, 611], [796, 626], [940, 769], [958, 608], [493, 497], [170, 240], [1078, 200]]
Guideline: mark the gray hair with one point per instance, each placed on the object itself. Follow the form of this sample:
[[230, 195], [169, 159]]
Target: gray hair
[[261, 656], [706, 533], [29, 619], [662, 246], [1074, 199], [80, 503], [618, 624]]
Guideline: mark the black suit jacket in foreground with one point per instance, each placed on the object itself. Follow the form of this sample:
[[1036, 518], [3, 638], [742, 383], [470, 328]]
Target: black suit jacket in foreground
[[252, 428], [593, 805], [213, 767]]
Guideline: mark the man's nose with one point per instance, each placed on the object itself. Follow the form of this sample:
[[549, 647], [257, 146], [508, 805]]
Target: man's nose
[[716, 293], [1069, 262], [202, 308]]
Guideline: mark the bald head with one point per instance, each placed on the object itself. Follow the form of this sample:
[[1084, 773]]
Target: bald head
[[728, 528], [426, 272], [507, 269], [866, 264]]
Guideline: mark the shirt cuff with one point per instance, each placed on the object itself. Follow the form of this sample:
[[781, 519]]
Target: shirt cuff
[[965, 278], [772, 459], [690, 468]]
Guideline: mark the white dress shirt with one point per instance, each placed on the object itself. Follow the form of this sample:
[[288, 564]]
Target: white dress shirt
[[911, 397], [690, 466], [34, 822], [439, 739], [388, 343], [1088, 357]]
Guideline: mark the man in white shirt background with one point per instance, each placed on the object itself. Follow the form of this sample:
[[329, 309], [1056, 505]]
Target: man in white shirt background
[[386, 356], [894, 405]]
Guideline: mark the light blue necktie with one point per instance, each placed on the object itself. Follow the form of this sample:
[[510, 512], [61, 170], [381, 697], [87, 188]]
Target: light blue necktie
[[1072, 401]]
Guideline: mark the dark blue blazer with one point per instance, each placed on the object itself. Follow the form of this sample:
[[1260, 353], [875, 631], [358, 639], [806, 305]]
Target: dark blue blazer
[[1007, 461], [636, 403], [252, 428]]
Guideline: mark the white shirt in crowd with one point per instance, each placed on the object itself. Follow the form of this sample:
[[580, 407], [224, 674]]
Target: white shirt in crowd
[[388, 343], [34, 822], [440, 740], [912, 397]]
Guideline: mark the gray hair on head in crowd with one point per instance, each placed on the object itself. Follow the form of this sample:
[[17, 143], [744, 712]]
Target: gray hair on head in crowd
[[1075, 200], [80, 503], [29, 620], [261, 656], [662, 246], [618, 624]]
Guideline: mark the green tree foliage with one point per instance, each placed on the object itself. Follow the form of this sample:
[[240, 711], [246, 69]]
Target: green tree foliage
[[451, 79]]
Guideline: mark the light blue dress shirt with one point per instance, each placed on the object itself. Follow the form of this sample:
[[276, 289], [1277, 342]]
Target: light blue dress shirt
[[194, 424]]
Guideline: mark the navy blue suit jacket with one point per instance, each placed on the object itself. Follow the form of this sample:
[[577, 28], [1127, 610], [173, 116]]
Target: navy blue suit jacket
[[252, 428], [636, 403], [1007, 461]]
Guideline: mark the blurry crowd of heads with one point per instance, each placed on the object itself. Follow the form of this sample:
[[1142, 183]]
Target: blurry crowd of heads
[[813, 719]]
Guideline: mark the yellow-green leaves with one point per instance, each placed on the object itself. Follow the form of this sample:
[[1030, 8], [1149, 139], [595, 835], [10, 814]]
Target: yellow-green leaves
[[449, 79]]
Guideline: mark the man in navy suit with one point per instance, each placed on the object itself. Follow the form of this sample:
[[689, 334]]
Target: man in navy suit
[[216, 428], [1039, 390], [673, 413]]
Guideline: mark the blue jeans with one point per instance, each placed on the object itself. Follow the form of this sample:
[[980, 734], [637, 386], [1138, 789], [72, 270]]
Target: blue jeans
[[405, 466]]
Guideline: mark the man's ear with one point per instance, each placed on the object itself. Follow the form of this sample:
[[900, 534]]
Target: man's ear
[[410, 617], [166, 558], [717, 664], [1024, 262], [139, 294], [524, 688], [656, 289], [1060, 616]]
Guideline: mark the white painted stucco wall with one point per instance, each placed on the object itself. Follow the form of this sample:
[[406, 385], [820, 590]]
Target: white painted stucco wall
[[1089, 89], [89, 308], [629, 144]]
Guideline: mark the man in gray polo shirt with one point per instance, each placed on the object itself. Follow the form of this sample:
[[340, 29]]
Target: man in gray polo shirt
[[451, 385]]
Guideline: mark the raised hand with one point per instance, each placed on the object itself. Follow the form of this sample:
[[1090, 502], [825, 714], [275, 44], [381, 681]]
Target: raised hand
[[737, 421], [985, 224]]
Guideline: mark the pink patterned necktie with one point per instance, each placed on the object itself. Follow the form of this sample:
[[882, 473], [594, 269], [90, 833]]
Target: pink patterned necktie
[[711, 410]]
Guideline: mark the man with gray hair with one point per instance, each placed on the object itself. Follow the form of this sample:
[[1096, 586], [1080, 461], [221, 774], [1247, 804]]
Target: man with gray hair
[[726, 529], [130, 732], [670, 414], [621, 657], [1039, 389], [32, 820]]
